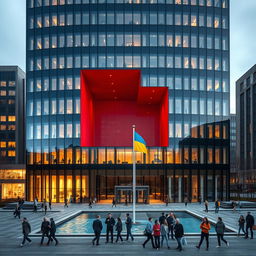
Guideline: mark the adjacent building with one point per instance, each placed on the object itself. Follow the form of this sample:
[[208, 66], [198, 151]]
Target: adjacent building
[[246, 134], [12, 132], [181, 44]]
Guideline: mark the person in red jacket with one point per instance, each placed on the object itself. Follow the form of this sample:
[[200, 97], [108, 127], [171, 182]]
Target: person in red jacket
[[157, 233], [205, 227]]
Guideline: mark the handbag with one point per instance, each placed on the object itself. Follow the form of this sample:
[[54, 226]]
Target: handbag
[[184, 241], [254, 227]]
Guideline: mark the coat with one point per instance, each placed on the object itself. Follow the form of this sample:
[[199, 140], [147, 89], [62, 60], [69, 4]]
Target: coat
[[220, 228], [178, 230], [119, 226], [164, 230], [170, 220], [26, 228], [110, 222], [128, 223], [53, 227], [249, 220], [45, 226], [97, 226], [162, 219]]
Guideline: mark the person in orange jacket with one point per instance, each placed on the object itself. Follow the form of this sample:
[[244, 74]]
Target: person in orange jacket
[[205, 227]]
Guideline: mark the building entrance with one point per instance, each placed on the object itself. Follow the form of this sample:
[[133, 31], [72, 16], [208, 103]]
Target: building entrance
[[124, 194]]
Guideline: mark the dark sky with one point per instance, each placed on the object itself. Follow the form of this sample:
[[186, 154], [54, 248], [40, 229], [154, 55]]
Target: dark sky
[[242, 41]]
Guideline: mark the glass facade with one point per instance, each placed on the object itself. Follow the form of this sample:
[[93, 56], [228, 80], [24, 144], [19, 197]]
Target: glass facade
[[180, 44]]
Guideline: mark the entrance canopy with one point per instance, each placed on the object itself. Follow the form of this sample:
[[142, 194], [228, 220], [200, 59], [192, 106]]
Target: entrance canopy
[[113, 100]]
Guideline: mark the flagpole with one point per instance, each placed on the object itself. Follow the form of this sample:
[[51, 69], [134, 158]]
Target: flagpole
[[133, 176]]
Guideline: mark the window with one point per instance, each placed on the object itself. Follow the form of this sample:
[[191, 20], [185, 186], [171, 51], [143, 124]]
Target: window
[[217, 107], [178, 83], [178, 41], [171, 133], [217, 22], [209, 107], [77, 106], [209, 63], [193, 41], [194, 83], [209, 84], [185, 20], [46, 107], [177, 19], [186, 62], [178, 62], [169, 40], [201, 20], [202, 106], [194, 107], [209, 21], [193, 20], [69, 106], [185, 41], [201, 41], [194, 62], [209, 155], [178, 130], [186, 106], [178, 106]]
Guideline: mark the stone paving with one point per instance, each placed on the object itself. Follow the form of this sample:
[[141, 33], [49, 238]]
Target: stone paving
[[10, 233]]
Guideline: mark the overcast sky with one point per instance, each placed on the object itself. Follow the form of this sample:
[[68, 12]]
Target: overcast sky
[[242, 40]]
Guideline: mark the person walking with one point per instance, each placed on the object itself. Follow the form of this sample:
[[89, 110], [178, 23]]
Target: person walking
[[241, 223], [26, 229], [162, 218], [205, 228], [249, 225], [119, 228], [45, 228], [148, 232], [66, 203], [166, 200], [45, 208], [220, 229], [35, 205], [113, 203], [157, 233], [206, 204], [50, 204], [128, 224], [52, 233], [110, 222], [216, 206], [171, 221], [97, 228], [186, 202], [17, 211], [90, 203], [164, 234], [179, 233]]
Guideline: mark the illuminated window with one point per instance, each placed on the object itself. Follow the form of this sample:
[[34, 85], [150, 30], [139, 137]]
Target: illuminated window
[[11, 118], [209, 2], [2, 118], [193, 20], [11, 83], [209, 107], [46, 21], [11, 153], [202, 106], [3, 83], [217, 131], [39, 22], [11, 127], [209, 63], [178, 41], [209, 21], [178, 130], [194, 106], [3, 93], [201, 62], [77, 130], [69, 130], [178, 19], [185, 41], [14, 190], [194, 62], [61, 20], [186, 62], [217, 85], [69, 107], [10, 102], [194, 155], [217, 107], [217, 22], [217, 155], [54, 20], [185, 20], [169, 40], [2, 144]]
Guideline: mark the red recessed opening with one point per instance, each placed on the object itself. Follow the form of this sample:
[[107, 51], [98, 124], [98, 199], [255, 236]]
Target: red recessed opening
[[113, 100]]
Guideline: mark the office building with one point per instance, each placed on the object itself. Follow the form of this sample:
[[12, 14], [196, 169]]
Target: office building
[[12, 130], [183, 45]]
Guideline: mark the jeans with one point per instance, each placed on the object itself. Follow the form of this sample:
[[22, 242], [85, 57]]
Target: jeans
[[43, 235], [164, 237], [25, 237], [129, 233], [241, 227], [247, 233], [149, 237], [52, 236], [110, 230], [170, 229], [206, 236], [221, 237], [119, 236], [157, 241], [96, 238], [179, 243]]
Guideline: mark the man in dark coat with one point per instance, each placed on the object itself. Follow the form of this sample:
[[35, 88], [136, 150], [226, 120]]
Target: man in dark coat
[[45, 228], [170, 221], [110, 222], [26, 229], [179, 233], [162, 218], [97, 227], [249, 225], [52, 232], [128, 224]]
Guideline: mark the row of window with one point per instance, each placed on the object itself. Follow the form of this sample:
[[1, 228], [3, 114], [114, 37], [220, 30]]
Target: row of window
[[209, 3], [5, 102], [129, 39], [53, 130], [129, 61], [129, 18], [197, 106], [7, 83], [40, 107], [7, 174], [184, 155], [9, 144], [4, 93], [7, 118], [4, 127], [9, 153]]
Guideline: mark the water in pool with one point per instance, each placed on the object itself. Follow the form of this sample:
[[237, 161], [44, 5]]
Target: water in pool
[[82, 224]]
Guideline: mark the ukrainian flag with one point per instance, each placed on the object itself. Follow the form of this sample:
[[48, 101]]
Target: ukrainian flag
[[139, 143]]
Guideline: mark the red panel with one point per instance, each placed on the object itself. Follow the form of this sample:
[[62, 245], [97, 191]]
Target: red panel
[[112, 101]]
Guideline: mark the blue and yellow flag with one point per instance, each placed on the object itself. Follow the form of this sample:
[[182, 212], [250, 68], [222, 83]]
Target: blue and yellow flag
[[139, 143]]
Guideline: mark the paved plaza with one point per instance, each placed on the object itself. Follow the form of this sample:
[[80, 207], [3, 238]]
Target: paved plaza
[[11, 237]]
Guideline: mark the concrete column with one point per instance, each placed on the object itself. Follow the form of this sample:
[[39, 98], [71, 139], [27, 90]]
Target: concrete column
[[179, 188], [202, 187], [170, 188]]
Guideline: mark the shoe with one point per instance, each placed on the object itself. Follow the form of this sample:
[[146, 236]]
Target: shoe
[[251, 237], [197, 247], [92, 242], [143, 245], [21, 245], [207, 249], [217, 246], [97, 244], [227, 244], [168, 247]]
